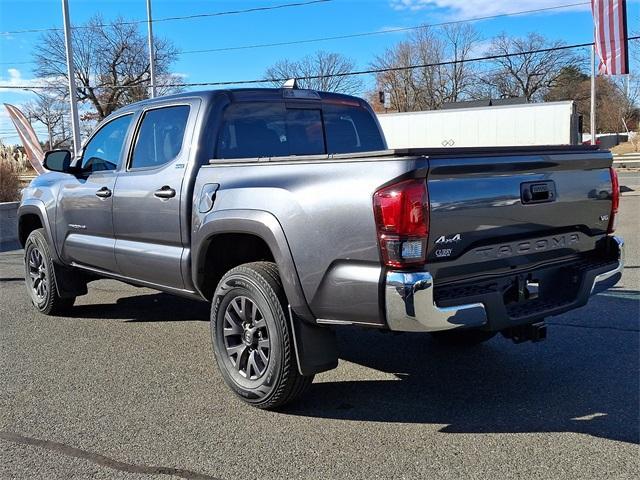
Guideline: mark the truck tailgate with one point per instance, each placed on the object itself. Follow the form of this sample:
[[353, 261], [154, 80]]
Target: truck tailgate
[[491, 213]]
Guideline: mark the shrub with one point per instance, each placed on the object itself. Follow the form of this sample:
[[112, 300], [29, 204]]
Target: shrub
[[12, 163]]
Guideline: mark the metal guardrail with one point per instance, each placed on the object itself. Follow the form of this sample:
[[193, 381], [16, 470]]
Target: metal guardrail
[[628, 159]]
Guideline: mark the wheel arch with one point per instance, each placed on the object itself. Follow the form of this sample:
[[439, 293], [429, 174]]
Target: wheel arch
[[260, 236], [31, 216]]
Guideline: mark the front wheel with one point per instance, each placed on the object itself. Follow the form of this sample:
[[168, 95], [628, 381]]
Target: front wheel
[[252, 337], [40, 276]]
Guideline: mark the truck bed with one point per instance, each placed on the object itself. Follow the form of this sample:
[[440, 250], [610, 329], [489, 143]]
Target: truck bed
[[324, 205]]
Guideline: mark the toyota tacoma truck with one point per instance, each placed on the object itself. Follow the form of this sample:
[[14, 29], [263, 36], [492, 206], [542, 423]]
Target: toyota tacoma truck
[[285, 210]]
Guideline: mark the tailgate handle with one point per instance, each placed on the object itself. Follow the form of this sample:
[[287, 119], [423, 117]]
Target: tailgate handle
[[538, 192]]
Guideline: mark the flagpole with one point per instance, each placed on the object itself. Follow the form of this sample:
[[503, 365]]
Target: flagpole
[[75, 123], [592, 126], [152, 54]]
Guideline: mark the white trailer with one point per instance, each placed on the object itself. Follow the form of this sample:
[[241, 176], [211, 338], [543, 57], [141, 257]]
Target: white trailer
[[552, 123]]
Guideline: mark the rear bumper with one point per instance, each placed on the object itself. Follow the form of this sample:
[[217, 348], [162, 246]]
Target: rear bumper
[[410, 298]]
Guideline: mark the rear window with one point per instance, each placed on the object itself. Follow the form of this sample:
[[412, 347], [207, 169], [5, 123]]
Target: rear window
[[351, 129], [254, 129]]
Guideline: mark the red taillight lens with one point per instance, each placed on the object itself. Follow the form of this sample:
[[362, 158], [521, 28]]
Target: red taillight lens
[[615, 199], [402, 220]]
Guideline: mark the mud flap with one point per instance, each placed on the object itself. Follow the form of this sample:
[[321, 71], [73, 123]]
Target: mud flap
[[316, 347], [69, 282]]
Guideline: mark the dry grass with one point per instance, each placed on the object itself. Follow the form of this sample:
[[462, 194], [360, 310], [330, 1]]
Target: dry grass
[[9, 183], [12, 164], [626, 147]]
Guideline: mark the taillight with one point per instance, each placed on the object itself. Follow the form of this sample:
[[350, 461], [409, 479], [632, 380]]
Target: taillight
[[402, 220], [615, 199]]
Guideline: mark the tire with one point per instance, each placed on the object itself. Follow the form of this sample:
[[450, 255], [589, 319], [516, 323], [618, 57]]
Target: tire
[[252, 337], [40, 276], [462, 338]]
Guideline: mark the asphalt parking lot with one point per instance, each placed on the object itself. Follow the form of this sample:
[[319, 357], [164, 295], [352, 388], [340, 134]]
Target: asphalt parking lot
[[126, 387]]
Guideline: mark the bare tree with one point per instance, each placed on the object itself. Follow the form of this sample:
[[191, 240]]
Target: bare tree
[[444, 76], [634, 45], [50, 110], [111, 61], [398, 80], [450, 82], [524, 73], [328, 72], [616, 109]]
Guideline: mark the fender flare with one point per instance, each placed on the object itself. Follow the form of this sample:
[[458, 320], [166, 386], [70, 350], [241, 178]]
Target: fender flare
[[264, 225], [34, 206], [68, 285]]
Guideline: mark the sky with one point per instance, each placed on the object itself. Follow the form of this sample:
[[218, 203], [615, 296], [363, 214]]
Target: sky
[[331, 18]]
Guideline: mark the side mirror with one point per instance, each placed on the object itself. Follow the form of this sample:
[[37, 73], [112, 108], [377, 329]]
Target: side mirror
[[57, 161]]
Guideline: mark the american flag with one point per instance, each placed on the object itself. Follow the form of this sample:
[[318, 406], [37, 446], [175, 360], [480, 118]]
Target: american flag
[[610, 18]]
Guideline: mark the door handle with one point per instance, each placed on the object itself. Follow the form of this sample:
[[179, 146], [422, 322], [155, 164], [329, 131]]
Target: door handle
[[165, 192], [104, 192]]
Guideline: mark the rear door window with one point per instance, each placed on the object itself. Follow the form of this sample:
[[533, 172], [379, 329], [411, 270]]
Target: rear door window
[[251, 130], [160, 137], [351, 129]]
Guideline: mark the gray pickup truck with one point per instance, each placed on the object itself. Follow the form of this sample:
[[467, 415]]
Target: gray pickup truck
[[284, 209]]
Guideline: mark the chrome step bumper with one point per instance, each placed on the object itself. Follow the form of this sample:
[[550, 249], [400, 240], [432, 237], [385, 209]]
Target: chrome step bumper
[[609, 279], [410, 304]]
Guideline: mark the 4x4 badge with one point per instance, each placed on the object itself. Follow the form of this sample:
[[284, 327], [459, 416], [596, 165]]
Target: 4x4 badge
[[456, 238]]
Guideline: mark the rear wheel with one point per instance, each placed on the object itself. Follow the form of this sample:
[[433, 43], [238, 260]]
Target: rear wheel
[[462, 338], [252, 337], [40, 276]]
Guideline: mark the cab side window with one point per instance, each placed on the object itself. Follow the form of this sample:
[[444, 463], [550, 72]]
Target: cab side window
[[104, 150], [160, 137]]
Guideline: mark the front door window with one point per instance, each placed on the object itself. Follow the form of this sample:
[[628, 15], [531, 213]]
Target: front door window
[[104, 150]]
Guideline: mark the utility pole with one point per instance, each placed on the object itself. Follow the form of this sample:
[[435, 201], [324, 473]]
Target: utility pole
[[592, 126], [75, 123], [152, 60]]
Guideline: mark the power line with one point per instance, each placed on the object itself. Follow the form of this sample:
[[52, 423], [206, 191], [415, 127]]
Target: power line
[[382, 32], [356, 35], [234, 12], [168, 19], [342, 74]]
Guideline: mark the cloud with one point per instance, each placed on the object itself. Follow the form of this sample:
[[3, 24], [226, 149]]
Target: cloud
[[14, 78], [19, 85], [460, 9], [14, 74], [392, 29]]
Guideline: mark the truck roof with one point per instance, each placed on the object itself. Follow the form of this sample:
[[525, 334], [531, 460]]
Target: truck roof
[[242, 94]]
